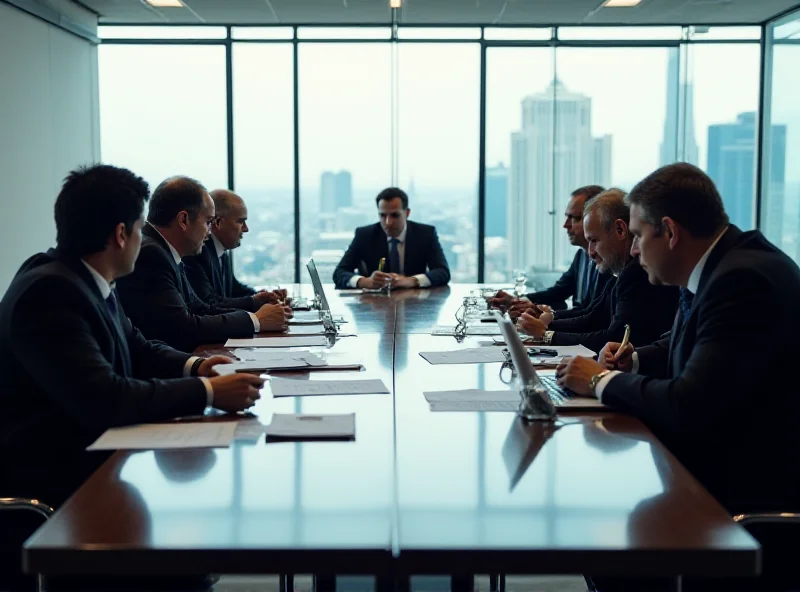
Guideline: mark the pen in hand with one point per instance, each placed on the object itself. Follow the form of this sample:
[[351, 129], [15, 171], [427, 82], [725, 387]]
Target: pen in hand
[[623, 345]]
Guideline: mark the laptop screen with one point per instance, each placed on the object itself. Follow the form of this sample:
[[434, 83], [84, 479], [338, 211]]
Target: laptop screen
[[519, 355], [315, 281]]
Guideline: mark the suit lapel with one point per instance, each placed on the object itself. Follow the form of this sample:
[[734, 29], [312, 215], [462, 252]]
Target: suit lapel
[[152, 233]]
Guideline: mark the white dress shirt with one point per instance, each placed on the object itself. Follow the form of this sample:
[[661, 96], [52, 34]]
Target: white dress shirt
[[105, 290], [423, 280], [177, 257], [692, 285]]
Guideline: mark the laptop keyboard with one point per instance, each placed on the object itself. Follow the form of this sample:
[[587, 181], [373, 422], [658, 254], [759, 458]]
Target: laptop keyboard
[[557, 394]]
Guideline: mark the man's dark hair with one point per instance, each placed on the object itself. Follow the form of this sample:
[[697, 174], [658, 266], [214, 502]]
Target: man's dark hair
[[589, 192], [175, 195], [391, 193], [93, 201], [683, 192]]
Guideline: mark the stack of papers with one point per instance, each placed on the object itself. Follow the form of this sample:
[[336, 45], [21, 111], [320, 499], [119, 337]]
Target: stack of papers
[[473, 400], [482, 329], [487, 355], [166, 436], [262, 360], [302, 341], [302, 426], [287, 387]]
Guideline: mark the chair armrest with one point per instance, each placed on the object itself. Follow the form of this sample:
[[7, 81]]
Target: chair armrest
[[22, 503]]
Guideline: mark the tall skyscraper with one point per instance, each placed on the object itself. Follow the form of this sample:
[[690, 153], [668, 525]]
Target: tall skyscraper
[[680, 108], [336, 191], [731, 164], [553, 154], [497, 201]]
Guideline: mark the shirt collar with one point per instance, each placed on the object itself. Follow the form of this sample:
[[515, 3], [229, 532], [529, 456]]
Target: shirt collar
[[694, 279], [102, 285], [218, 246], [401, 237], [175, 254]]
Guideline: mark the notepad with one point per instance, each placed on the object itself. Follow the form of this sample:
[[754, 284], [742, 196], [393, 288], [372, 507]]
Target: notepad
[[165, 436], [301, 341], [303, 426], [286, 387]]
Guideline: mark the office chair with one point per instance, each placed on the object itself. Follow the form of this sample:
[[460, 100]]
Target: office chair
[[32, 505], [773, 518]]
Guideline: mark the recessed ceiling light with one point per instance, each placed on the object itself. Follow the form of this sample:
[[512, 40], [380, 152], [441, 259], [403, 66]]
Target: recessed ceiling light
[[165, 3], [620, 3], [395, 3]]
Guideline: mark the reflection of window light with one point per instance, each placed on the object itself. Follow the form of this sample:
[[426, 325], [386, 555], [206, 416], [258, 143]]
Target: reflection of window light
[[165, 3]]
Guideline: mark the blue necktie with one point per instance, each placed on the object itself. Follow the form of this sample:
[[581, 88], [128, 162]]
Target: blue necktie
[[225, 268], [111, 303], [685, 302], [394, 256]]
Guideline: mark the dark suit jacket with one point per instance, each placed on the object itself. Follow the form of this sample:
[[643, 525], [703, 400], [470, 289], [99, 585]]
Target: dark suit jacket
[[423, 254], [582, 282], [729, 416], [165, 307], [630, 300], [215, 285], [69, 371]]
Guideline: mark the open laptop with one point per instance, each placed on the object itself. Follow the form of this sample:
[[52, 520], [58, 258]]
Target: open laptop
[[317, 283], [561, 398]]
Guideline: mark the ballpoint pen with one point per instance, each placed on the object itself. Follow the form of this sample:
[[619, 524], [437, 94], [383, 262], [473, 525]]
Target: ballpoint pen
[[624, 344], [381, 263]]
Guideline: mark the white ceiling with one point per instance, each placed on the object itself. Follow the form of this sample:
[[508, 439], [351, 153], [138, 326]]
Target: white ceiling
[[482, 12]]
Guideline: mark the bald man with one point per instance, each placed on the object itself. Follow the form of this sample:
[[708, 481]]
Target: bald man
[[211, 271]]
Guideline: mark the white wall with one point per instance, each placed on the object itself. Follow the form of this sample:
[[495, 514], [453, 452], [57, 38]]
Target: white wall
[[49, 124]]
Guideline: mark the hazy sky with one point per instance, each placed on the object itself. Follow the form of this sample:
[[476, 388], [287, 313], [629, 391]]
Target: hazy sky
[[163, 107]]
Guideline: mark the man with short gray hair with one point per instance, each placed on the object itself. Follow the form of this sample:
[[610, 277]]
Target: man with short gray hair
[[630, 300]]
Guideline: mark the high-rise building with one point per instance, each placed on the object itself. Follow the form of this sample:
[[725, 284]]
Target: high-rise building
[[496, 201], [335, 191], [731, 164], [677, 136], [553, 154]]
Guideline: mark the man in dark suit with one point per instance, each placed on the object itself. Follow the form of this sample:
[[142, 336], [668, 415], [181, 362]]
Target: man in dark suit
[[582, 281], [732, 425], [158, 296], [414, 257], [211, 272], [629, 300], [71, 363]]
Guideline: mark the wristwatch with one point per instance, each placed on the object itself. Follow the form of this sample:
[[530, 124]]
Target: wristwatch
[[596, 379], [548, 337]]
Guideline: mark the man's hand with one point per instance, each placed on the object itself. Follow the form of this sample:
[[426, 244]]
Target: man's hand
[[236, 392], [401, 281], [501, 300], [378, 279], [272, 317], [576, 373], [518, 307], [265, 297], [206, 367], [612, 358], [529, 324]]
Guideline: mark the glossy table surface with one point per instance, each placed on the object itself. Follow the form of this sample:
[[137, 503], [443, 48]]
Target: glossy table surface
[[416, 492]]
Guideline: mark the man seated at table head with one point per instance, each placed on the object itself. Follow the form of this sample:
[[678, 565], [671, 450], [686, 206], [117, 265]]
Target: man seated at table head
[[582, 282], [411, 251], [158, 296], [72, 363], [211, 272], [730, 417], [627, 300]]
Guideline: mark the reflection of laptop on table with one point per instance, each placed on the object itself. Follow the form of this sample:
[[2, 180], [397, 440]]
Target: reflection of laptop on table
[[561, 398]]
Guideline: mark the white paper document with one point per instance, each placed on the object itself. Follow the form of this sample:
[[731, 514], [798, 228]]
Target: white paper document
[[302, 426], [165, 436], [260, 366], [249, 430], [305, 329], [475, 406], [473, 400], [487, 355], [480, 329], [286, 387], [301, 341]]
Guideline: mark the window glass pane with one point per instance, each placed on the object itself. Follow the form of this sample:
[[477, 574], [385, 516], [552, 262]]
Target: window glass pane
[[619, 33], [438, 33], [345, 144], [163, 111], [711, 33], [517, 34], [262, 33], [122, 32], [721, 108], [344, 33], [263, 116], [439, 134], [519, 161], [780, 213]]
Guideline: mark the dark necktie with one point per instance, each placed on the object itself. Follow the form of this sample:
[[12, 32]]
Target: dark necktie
[[111, 303], [685, 303], [394, 256], [184, 282], [225, 269]]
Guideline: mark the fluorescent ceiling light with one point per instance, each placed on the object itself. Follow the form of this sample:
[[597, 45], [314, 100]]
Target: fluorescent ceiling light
[[165, 3], [395, 3], [621, 3]]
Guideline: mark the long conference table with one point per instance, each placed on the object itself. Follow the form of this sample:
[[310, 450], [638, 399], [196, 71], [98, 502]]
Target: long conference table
[[416, 492]]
